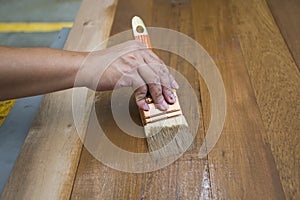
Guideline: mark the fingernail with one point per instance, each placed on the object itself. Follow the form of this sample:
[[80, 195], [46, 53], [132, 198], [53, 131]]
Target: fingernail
[[145, 107], [172, 98], [165, 105], [175, 85]]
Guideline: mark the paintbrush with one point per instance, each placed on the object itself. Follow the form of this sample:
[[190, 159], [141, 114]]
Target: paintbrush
[[167, 132]]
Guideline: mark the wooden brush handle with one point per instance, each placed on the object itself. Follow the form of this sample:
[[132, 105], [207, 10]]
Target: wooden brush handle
[[140, 33]]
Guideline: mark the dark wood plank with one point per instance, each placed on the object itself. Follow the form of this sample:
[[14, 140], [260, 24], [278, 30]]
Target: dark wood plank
[[276, 82], [287, 15], [187, 177], [241, 165]]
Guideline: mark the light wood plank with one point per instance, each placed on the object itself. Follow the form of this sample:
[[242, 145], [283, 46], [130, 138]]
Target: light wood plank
[[49, 158], [241, 165], [276, 82]]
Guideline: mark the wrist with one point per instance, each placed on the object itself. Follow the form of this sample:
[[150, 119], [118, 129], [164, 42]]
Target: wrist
[[77, 65]]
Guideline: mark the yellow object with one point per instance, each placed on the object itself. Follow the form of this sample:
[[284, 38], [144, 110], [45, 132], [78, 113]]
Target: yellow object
[[5, 107], [34, 26]]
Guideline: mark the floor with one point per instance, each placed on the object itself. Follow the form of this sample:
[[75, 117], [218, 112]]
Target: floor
[[35, 11], [15, 128]]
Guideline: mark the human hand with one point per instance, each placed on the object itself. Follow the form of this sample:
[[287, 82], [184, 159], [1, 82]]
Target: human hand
[[130, 64]]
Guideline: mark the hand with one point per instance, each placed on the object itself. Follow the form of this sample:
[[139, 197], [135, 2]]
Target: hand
[[130, 64]]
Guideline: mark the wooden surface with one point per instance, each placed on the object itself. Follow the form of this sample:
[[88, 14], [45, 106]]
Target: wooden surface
[[187, 176], [49, 157], [276, 82], [257, 155], [241, 166], [287, 15]]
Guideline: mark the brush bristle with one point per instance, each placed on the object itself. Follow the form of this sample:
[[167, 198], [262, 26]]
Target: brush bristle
[[168, 137]]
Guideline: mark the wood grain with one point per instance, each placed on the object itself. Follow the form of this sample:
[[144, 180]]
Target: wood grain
[[48, 161], [257, 155], [241, 165], [287, 15], [276, 82], [187, 177]]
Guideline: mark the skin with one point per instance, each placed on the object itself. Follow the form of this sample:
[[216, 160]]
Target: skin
[[33, 71]]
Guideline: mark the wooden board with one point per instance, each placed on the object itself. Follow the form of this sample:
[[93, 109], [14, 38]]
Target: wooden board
[[287, 15], [257, 156], [276, 82], [188, 175], [48, 161], [241, 166]]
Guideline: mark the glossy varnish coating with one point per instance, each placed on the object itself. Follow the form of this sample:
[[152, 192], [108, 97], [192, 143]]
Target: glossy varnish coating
[[257, 155], [242, 165]]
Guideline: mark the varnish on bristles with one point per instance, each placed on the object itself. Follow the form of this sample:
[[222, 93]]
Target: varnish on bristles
[[167, 132], [168, 137]]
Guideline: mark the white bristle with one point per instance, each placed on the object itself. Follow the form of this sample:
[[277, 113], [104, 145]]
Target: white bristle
[[168, 137]]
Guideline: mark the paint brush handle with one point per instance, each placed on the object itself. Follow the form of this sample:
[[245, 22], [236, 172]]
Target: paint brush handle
[[140, 32]]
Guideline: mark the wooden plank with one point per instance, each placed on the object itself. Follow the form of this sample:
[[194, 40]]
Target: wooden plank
[[275, 79], [49, 158], [241, 165], [186, 177], [287, 15]]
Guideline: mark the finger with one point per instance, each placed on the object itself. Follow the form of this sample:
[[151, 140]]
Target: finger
[[140, 91], [167, 90], [168, 95], [161, 69], [165, 77], [155, 88], [140, 98]]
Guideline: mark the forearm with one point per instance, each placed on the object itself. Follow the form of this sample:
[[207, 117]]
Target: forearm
[[33, 71]]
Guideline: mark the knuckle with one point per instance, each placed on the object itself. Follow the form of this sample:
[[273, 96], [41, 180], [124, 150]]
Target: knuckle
[[140, 96], [156, 93], [130, 56], [163, 71], [168, 90], [156, 79], [141, 90]]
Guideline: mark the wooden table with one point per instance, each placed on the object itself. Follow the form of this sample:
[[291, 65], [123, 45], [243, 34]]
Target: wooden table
[[258, 153]]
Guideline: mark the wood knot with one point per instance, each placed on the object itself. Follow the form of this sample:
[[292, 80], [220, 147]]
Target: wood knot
[[89, 23]]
